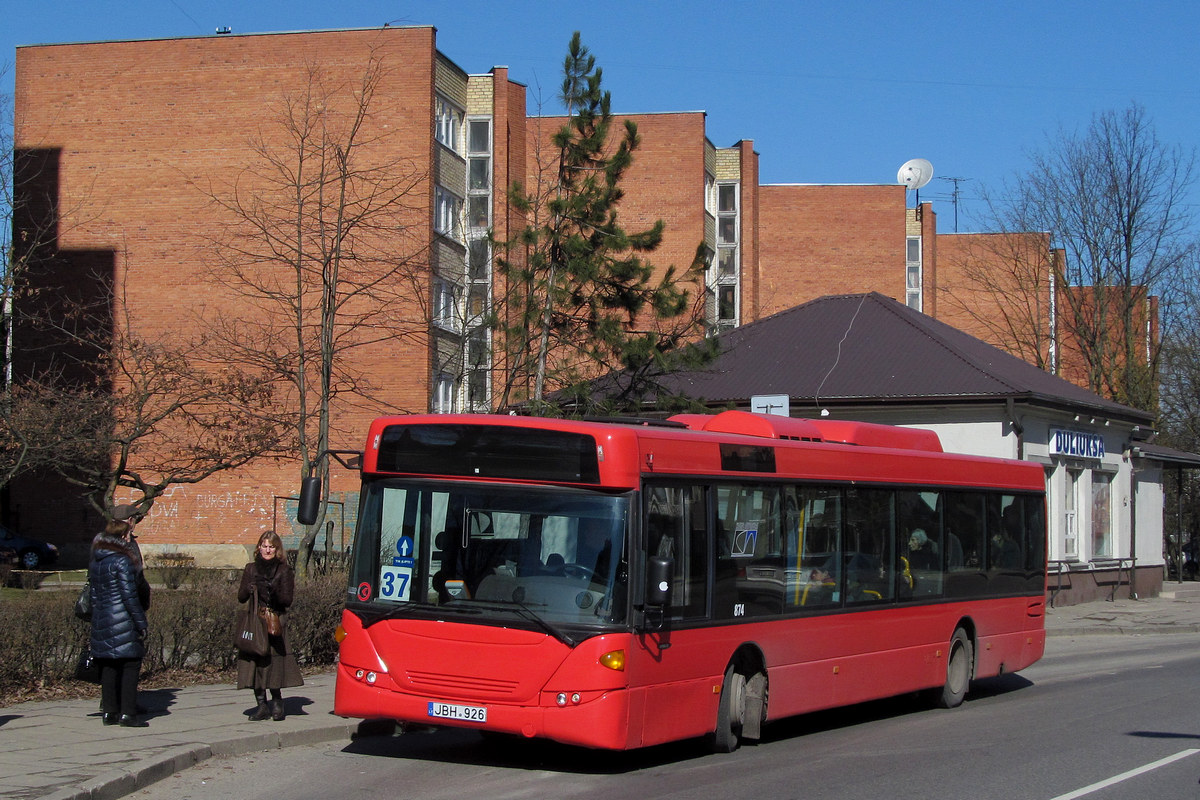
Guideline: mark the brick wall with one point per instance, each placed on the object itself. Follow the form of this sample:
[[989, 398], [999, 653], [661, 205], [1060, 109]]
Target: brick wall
[[821, 240], [144, 131]]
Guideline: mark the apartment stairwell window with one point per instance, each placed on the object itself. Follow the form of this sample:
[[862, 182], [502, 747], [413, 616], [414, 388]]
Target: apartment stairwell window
[[477, 360], [724, 273], [913, 277]]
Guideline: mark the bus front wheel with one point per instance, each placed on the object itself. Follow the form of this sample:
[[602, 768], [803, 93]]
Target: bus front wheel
[[959, 666], [730, 712]]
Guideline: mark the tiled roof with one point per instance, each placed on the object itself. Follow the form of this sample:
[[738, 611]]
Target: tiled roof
[[870, 349]]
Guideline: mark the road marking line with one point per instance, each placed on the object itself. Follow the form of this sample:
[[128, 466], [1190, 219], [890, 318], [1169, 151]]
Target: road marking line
[[1124, 776]]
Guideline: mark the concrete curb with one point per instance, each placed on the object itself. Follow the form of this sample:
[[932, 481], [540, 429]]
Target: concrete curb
[[147, 771]]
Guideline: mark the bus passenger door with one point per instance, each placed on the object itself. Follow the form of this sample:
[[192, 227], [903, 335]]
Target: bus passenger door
[[670, 671]]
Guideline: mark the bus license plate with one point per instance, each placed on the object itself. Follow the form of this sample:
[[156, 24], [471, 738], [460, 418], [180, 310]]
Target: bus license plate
[[451, 711]]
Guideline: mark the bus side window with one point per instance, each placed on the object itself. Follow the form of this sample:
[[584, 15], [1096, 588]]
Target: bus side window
[[921, 544], [966, 529], [1005, 545], [870, 573], [816, 579], [1035, 548], [750, 570]]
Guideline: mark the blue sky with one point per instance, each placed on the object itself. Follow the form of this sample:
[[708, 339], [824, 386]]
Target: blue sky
[[830, 92]]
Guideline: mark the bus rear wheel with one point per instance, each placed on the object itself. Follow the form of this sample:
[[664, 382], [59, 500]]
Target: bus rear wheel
[[959, 666]]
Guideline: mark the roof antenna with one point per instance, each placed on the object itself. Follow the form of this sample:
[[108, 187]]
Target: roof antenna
[[846, 335]]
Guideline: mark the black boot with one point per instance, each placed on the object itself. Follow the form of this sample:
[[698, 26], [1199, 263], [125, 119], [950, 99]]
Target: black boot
[[131, 721], [277, 709], [262, 712], [110, 719]]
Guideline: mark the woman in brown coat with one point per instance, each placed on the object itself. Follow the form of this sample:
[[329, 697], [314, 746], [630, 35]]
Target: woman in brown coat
[[272, 578]]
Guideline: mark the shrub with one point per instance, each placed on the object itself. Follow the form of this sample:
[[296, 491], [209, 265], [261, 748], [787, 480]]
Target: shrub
[[174, 569], [189, 638], [41, 642]]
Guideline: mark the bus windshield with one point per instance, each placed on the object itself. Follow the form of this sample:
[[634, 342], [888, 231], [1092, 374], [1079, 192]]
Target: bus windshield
[[553, 556]]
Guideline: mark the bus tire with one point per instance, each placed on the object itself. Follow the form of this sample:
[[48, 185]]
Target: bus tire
[[731, 711], [960, 665]]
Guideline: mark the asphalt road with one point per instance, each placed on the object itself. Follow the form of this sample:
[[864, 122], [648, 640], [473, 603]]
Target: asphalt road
[[1101, 717]]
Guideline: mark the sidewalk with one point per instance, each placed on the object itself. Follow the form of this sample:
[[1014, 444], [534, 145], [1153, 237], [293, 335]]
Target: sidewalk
[[60, 751], [1175, 610]]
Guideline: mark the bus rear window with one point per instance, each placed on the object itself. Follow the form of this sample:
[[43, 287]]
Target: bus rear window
[[489, 451]]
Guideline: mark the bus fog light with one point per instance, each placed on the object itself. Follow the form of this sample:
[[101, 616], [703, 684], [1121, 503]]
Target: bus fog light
[[359, 673], [371, 676], [575, 698], [561, 699]]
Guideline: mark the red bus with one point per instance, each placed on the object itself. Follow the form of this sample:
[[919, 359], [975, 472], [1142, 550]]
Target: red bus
[[618, 584]]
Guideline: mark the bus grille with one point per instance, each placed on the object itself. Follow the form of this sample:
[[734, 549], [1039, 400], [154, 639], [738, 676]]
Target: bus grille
[[471, 684]]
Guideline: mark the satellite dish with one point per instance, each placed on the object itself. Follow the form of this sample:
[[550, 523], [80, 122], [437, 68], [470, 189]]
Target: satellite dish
[[915, 173]]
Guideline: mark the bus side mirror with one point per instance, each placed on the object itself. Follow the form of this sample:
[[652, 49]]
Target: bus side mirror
[[310, 500], [658, 581]]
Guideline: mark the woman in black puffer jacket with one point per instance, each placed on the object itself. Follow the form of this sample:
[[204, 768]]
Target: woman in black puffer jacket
[[118, 622]]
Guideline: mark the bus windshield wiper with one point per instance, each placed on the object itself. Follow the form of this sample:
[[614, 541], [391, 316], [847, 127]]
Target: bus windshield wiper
[[406, 609], [525, 612]]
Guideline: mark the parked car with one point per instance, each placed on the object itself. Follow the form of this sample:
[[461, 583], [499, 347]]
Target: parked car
[[31, 553]]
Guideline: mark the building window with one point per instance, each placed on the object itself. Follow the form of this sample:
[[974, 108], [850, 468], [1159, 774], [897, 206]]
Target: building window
[[710, 193], [446, 297], [478, 207], [443, 393], [477, 389], [477, 348], [1102, 538], [477, 297], [480, 180], [912, 273], [727, 197], [480, 136], [447, 213], [726, 307], [449, 120], [727, 263], [1071, 516], [478, 259]]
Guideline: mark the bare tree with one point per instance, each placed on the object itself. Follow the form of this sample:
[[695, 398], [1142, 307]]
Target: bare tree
[[114, 409], [997, 286], [323, 256], [1180, 416], [1112, 198]]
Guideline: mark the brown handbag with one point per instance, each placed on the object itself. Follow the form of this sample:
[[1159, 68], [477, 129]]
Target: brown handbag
[[270, 619]]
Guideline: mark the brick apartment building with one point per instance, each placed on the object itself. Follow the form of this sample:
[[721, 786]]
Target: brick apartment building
[[132, 136]]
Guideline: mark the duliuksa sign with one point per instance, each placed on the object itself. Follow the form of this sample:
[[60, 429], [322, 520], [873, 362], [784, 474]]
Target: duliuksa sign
[[1076, 444]]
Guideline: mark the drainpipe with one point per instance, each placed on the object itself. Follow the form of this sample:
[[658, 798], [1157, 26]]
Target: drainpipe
[[1133, 595], [1133, 471], [1018, 428]]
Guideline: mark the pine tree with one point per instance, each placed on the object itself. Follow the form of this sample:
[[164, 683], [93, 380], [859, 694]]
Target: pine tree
[[582, 300]]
